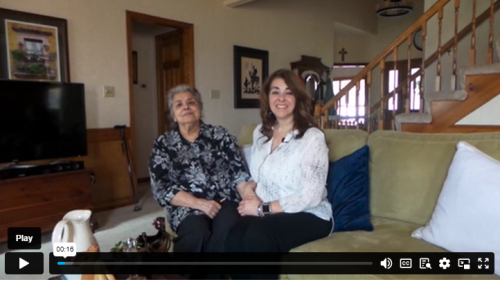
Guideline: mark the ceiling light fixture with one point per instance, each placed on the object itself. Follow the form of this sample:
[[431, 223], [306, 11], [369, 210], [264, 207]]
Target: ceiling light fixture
[[393, 8]]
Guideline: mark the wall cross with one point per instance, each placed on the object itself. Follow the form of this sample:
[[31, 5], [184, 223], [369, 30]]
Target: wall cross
[[343, 52]]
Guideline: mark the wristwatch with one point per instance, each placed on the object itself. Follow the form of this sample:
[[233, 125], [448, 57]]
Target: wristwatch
[[264, 209]]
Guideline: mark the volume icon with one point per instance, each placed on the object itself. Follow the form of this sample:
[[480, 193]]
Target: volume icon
[[386, 263]]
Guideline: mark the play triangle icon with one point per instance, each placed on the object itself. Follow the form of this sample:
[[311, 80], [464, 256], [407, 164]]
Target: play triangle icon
[[22, 263]]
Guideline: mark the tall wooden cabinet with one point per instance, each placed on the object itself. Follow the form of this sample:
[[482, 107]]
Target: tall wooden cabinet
[[43, 200]]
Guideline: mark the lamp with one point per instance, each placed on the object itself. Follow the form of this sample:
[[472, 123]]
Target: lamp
[[393, 8]]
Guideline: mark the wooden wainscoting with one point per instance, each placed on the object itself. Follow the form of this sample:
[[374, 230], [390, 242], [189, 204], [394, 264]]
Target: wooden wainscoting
[[109, 163]]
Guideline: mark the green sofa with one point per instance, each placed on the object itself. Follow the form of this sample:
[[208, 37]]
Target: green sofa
[[407, 172]]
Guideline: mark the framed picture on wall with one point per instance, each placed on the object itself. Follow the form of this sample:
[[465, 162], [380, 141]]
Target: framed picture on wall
[[33, 47], [251, 68]]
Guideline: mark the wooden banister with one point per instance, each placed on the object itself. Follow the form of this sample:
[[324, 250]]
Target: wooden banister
[[400, 40], [464, 32], [387, 51]]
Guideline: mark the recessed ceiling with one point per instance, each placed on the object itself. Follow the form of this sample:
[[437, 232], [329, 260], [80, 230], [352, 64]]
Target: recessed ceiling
[[236, 3], [343, 30]]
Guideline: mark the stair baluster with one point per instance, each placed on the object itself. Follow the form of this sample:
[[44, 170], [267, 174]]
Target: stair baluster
[[409, 43], [440, 30], [357, 105], [473, 36], [346, 103], [368, 101], [455, 47], [317, 114], [382, 91], [396, 84], [330, 122], [422, 78], [489, 60]]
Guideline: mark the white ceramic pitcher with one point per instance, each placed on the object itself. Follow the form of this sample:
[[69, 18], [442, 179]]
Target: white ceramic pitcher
[[75, 228]]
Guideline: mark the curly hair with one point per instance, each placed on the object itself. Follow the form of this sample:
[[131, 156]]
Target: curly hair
[[179, 89], [302, 118]]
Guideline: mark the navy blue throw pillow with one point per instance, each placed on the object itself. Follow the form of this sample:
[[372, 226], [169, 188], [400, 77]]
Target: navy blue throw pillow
[[348, 186]]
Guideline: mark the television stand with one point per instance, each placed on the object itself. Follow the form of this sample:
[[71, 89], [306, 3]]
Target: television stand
[[43, 200]]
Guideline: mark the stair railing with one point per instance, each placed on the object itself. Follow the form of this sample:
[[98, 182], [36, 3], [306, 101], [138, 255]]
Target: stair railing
[[375, 114]]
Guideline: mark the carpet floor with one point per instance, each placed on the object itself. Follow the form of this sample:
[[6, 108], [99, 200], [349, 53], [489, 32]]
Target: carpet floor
[[114, 225]]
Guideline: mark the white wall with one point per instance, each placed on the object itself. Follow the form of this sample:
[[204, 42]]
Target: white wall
[[358, 48], [391, 28], [145, 105], [488, 114], [363, 47], [286, 28]]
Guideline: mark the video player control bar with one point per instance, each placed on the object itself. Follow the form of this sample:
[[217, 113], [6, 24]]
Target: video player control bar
[[321, 263], [272, 263]]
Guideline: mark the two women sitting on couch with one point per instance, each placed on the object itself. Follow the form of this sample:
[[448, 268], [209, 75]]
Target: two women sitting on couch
[[198, 174]]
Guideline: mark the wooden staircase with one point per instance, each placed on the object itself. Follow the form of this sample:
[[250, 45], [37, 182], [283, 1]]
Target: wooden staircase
[[448, 110], [471, 86]]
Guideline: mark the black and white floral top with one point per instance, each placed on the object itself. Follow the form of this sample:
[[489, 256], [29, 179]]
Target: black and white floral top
[[209, 168]]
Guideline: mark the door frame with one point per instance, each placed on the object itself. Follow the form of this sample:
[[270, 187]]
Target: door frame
[[188, 71]]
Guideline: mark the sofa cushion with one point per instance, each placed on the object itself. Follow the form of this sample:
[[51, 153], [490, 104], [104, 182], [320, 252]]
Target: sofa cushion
[[467, 213], [246, 152], [389, 236], [407, 170], [343, 142], [348, 186]]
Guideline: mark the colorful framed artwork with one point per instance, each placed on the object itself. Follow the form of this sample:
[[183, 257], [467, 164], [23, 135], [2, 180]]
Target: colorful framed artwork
[[33, 47]]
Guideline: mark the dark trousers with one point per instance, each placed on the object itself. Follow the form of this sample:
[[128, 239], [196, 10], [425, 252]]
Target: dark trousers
[[274, 233], [200, 233]]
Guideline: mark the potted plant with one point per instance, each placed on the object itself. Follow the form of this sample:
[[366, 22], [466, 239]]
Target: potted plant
[[46, 47], [20, 45], [18, 55]]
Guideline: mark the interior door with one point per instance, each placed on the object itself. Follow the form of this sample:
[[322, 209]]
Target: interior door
[[169, 72]]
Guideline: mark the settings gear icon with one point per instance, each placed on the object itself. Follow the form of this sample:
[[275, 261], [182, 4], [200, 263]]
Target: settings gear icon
[[444, 263]]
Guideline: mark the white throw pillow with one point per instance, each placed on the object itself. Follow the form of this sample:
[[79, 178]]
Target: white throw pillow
[[246, 151], [467, 214]]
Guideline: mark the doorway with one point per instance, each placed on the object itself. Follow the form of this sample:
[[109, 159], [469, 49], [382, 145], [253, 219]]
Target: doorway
[[168, 64]]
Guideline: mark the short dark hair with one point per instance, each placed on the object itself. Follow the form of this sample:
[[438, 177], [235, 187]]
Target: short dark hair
[[179, 89]]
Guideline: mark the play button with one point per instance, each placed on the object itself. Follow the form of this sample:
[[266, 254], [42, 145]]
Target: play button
[[22, 263]]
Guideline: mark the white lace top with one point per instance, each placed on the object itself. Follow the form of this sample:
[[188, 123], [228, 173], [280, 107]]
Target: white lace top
[[294, 173]]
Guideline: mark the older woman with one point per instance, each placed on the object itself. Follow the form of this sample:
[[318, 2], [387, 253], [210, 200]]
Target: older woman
[[289, 163], [198, 175]]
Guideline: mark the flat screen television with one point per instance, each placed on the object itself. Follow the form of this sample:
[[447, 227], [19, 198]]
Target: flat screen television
[[41, 120]]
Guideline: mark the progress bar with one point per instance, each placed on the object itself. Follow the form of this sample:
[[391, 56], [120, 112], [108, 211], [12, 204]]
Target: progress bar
[[216, 263]]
